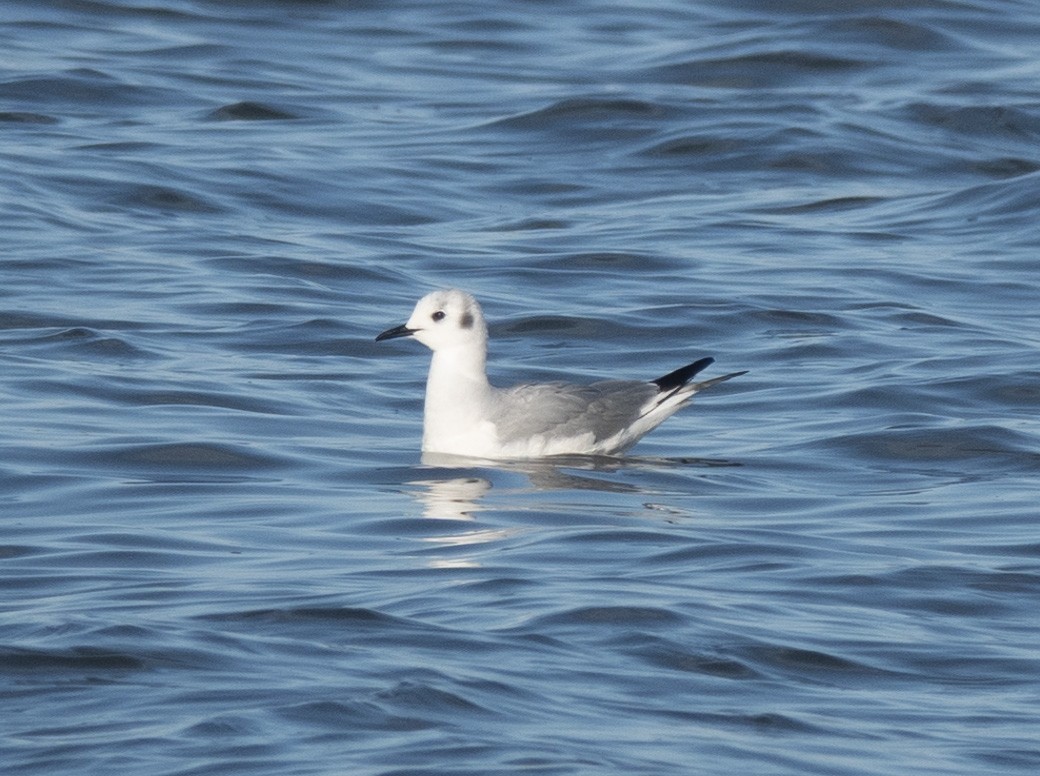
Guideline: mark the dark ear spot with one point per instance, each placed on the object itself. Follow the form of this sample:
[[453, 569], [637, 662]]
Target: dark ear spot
[[467, 321]]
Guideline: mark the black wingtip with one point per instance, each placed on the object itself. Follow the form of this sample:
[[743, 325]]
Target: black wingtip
[[682, 375]]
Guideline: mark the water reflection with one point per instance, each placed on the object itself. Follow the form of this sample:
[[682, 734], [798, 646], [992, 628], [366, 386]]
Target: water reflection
[[454, 486], [456, 499], [453, 498], [454, 489]]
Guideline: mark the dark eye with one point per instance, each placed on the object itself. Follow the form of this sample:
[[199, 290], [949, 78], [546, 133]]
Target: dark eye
[[438, 316]]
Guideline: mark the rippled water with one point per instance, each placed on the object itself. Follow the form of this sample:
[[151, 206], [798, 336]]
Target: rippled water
[[221, 552]]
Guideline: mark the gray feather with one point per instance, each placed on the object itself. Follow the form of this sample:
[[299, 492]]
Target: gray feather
[[603, 408]]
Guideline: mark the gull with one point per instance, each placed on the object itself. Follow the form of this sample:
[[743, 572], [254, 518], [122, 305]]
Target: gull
[[464, 415]]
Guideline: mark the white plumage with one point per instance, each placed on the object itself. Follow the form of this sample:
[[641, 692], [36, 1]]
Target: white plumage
[[467, 416]]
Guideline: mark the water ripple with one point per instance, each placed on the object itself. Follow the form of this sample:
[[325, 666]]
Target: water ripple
[[223, 550]]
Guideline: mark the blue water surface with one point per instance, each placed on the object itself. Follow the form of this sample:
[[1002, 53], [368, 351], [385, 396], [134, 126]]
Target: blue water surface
[[221, 551]]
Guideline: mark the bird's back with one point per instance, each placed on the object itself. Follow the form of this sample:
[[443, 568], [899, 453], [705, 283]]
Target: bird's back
[[585, 417]]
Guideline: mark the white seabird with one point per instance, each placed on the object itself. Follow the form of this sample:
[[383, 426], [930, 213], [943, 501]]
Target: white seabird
[[465, 415]]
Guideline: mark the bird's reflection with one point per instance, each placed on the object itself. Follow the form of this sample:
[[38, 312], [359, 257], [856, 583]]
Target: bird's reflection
[[455, 498], [451, 498], [454, 488], [455, 485]]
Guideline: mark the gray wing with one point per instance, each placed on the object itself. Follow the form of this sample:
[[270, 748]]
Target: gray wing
[[561, 409]]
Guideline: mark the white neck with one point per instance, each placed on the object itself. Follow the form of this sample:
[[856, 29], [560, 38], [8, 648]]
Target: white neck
[[457, 391]]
